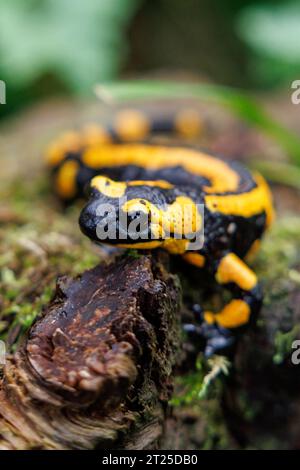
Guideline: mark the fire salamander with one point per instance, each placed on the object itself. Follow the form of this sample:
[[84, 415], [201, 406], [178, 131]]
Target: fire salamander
[[158, 181]]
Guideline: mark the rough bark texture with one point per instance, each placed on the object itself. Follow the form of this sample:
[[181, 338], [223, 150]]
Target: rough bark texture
[[95, 368]]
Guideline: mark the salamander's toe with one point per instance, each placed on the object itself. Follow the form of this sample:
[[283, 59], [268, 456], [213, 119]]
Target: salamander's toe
[[218, 340]]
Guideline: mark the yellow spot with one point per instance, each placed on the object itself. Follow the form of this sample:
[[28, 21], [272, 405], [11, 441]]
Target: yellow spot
[[108, 187], [247, 204], [68, 142], [209, 317], [233, 315], [181, 218], [65, 182], [154, 157], [131, 124], [55, 154], [188, 123], [158, 183], [175, 246], [233, 269], [194, 258], [93, 134], [150, 245]]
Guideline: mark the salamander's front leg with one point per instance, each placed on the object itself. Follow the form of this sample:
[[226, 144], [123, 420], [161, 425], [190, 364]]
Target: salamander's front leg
[[220, 328], [235, 275]]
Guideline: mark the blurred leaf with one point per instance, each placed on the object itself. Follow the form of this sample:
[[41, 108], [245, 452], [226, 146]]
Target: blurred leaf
[[278, 172], [273, 32], [78, 41]]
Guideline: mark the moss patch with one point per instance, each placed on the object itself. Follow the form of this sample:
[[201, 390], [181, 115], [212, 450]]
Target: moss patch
[[39, 241]]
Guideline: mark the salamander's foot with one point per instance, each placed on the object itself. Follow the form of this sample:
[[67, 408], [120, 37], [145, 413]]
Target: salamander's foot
[[217, 340]]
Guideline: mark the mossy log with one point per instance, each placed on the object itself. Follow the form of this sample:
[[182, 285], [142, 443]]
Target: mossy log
[[95, 369]]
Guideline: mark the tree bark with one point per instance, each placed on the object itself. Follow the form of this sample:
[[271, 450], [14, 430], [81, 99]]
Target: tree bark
[[95, 370]]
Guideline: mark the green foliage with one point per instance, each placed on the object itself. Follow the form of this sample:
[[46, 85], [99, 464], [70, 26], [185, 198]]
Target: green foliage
[[37, 244], [278, 172], [281, 247], [78, 42], [273, 33]]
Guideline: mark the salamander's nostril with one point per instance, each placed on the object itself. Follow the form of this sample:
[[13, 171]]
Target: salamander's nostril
[[87, 222], [95, 217]]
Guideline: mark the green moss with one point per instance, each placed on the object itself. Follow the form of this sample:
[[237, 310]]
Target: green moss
[[202, 383], [283, 344], [133, 253], [280, 252], [39, 241]]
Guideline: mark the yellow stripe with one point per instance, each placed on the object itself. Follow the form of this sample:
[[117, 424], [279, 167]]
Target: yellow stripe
[[233, 269], [222, 177], [194, 258], [108, 187], [188, 123], [233, 315], [157, 183], [150, 245], [68, 142], [93, 134], [181, 217], [66, 179], [131, 124], [71, 141], [115, 189], [175, 246], [246, 204]]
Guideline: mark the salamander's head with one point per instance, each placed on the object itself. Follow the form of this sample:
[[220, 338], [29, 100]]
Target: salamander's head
[[139, 214]]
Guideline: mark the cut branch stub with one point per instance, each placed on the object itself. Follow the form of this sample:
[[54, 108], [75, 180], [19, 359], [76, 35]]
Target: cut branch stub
[[97, 361]]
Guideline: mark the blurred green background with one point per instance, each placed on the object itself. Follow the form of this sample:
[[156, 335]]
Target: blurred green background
[[63, 47]]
